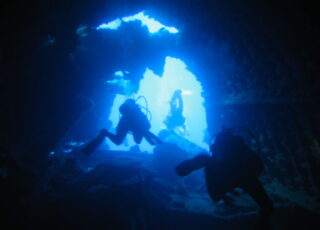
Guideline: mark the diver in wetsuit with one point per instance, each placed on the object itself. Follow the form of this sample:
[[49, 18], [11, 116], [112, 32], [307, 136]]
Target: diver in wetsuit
[[132, 120], [135, 121], [232, 164], [175, 118]]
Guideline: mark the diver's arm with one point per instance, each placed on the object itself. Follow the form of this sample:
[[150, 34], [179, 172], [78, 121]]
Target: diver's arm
[[188, 166]]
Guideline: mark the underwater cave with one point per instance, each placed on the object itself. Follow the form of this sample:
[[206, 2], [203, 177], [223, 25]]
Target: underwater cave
[[156, 91], [152, 115]]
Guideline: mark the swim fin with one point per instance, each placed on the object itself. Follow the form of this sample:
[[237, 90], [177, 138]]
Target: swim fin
[[94, 144]]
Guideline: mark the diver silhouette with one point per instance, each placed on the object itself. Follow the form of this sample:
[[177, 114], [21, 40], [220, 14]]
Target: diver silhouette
[[175, 118], [135, 121], [232, 164], [132, 120]]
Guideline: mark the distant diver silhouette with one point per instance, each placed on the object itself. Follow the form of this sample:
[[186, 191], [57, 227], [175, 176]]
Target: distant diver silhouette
[[232, 164], [175, 118], [132, 120]]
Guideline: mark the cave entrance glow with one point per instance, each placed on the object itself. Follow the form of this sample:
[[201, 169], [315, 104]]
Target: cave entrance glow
[[153, 25], [158, 91]]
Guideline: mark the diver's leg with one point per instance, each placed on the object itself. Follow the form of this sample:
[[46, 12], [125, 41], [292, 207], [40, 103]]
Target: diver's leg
[[149, 139], [258, 193], [122, 130], [121, 133], [137, 137], [94, 144], [116, 138], [152, 139], [188, 166]]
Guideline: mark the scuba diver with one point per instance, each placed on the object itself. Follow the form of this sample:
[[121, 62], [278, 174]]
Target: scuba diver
[[232, 164], [175, 118], [132, 120]]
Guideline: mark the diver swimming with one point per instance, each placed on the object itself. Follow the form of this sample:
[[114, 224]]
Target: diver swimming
[[175, 118], [135, 121], [132, 120], [231, 164]]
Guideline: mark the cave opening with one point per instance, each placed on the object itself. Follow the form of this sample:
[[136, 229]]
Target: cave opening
[[156, 89]]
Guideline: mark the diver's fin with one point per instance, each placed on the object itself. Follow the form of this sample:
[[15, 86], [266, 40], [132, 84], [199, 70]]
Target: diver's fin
[[94, 144]]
